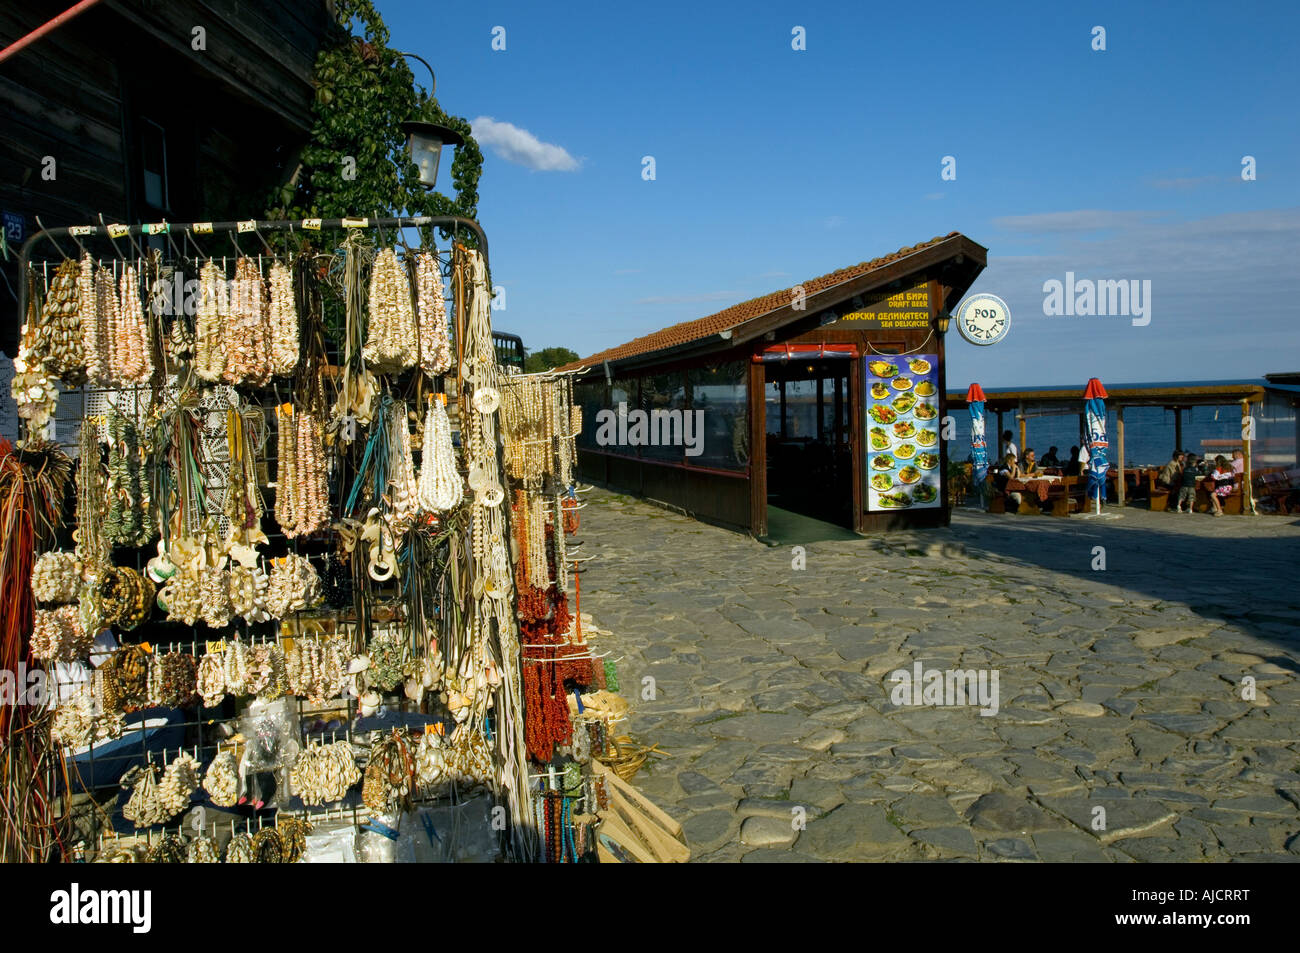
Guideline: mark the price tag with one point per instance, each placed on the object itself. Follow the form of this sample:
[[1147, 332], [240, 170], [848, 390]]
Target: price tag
[[119, 231], [201, 228], [146, 647], [81, 231], [157, 228], [355, 222], [246, 226], [311, 223], [215, 648]]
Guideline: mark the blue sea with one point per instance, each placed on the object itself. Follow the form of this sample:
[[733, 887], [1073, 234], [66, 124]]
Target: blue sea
[[1148, 433]]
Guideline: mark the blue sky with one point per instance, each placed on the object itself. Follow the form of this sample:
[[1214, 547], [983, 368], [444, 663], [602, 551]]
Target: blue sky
[[774, 165]]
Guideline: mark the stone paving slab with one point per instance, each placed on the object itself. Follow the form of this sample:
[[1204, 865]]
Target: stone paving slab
[[1147, 712]]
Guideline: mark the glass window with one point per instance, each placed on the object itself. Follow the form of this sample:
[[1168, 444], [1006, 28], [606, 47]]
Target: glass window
[[154, 163], [660, 432], [718, 429], [590, 396], [772, 397], [801, 409], [622, 400]]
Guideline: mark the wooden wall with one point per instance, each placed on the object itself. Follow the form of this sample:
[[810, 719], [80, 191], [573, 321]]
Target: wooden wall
[[233, 114]]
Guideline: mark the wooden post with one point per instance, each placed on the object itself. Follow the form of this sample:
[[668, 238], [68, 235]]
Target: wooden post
[[758, 447], [1119, 435], [1178, 429], [997, 440], [1023, 437], [1247, 497]]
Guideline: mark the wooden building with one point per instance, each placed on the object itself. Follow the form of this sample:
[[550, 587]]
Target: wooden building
[[144, 110], [825, 399]]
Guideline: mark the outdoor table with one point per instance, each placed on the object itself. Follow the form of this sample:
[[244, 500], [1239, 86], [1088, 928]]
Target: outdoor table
[[1039, 486]]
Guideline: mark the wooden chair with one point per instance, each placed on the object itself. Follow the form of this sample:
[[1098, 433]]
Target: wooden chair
[[997, 502], [1158, 495]]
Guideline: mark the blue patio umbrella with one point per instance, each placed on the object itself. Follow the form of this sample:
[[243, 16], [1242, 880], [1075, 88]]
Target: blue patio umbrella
[[979, 448], [1094, 411]]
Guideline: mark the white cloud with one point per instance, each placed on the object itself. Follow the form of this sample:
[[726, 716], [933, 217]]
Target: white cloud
[[1082, 220], [521, 147], [689, 298]]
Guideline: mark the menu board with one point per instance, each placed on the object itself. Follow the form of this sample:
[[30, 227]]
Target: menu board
[[902, 439]]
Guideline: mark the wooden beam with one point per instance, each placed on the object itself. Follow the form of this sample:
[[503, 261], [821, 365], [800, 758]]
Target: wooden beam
[[1024, 432], [1247, 498], [758, 450], [1119, 436]]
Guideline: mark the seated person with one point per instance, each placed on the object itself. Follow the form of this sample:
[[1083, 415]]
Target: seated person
[[1030, 467], [1075, 466], [1238, 466], [1171, 474], [1050, 460], [1224, 483], [1008, 470]]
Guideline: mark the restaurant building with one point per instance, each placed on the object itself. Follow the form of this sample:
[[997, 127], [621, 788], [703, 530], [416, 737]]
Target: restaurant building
[[825, 399]]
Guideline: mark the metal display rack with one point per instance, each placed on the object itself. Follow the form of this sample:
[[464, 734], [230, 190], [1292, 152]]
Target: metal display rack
[[197, 725]]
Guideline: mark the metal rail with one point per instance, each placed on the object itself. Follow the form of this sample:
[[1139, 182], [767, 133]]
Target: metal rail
[[251, 227]]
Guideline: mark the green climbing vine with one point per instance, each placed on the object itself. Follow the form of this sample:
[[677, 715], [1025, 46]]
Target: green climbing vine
[[356, 161]]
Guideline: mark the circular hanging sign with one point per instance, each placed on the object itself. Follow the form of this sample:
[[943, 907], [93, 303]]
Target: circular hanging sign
[[983, 319]]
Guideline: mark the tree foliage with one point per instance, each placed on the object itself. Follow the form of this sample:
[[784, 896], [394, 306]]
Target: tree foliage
[[356, 161], [548, 358]]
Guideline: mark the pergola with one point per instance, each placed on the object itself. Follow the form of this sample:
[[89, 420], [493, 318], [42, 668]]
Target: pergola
[[1069, 400]]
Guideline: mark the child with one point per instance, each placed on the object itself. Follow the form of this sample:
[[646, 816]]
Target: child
[[1224, 481], [1191, 475]]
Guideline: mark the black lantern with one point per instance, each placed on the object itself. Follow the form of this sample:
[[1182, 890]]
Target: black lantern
[[424, 142], [941, 321]]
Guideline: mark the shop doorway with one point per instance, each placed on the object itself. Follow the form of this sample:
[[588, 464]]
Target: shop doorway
[[809, 439]]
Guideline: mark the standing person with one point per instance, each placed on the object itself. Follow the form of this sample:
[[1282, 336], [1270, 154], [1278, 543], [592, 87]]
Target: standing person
[[1187, 480], [1223, 483], [1171, 475], [1050, 460], [1009, 446]]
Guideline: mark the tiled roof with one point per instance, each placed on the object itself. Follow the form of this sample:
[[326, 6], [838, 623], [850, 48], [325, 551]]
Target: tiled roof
[[738, 314]]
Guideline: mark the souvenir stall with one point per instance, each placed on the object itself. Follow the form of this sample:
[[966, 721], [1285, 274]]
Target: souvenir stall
[[301, 577]]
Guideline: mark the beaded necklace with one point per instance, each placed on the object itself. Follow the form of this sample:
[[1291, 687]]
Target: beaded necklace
[[434, 341], [391, 337]]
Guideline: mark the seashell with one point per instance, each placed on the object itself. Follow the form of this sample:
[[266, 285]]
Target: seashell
[[486, 400], [479, 479], [359, 664], [492, 496], [370, 702], [413, 688]]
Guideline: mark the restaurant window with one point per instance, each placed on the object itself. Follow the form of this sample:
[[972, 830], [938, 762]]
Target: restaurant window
[[590, 396], [153, 149], [663, 398], [721, 394], [622, 398]]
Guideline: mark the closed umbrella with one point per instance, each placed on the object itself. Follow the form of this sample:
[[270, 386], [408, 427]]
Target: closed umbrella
[[979, 448], [1094, 411]]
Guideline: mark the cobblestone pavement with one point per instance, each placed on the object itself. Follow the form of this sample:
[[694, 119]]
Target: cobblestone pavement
[[1120, 689]]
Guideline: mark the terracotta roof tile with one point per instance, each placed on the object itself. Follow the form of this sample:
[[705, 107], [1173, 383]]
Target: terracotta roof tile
[[738, 314]]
